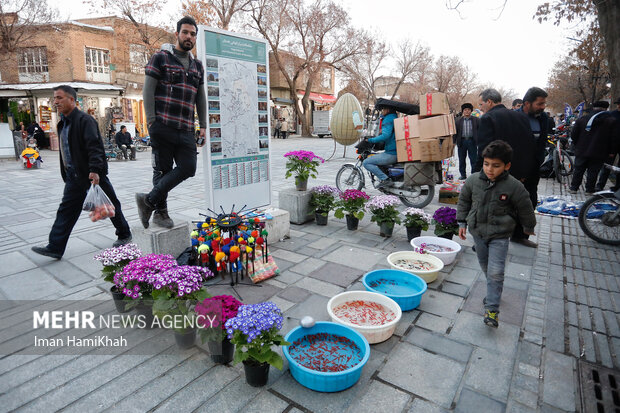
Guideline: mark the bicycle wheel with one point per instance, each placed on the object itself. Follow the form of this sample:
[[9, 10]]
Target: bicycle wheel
[[557, 166], [566, 165], [349, 177], [599, 218]]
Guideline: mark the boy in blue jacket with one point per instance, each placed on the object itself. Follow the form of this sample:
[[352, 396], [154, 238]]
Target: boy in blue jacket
[[489, 203]]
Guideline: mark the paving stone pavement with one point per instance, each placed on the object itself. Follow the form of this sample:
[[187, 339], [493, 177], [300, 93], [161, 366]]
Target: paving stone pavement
[[560, 305]]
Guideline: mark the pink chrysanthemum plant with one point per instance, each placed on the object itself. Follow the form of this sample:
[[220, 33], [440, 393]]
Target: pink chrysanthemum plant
[[115, 258], [352, 202], [302, 164], [383, 209], [213, 313]]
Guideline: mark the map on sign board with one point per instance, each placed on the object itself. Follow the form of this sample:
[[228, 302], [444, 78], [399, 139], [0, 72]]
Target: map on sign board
[[237, 168], [239, 108]]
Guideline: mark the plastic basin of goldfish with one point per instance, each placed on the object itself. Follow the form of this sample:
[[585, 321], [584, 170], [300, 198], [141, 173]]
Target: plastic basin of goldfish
[[374, 334], [405, 288], [447, 257], [433, 263], [327, 381]]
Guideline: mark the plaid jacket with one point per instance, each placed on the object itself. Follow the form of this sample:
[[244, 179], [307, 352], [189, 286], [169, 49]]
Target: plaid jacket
[[175, 94]]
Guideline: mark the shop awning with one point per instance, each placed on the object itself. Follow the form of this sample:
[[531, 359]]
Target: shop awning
[[20, 89], [318, 97]]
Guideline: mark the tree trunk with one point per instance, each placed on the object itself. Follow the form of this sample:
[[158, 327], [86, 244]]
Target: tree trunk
[[608, 18]]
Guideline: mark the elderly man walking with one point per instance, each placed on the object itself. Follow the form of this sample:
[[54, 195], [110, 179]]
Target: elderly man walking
[[466, 138]]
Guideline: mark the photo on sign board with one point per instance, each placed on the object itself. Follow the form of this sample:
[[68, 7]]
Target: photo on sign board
[[263, 131], [214, 105], [215, 133], [213, 91], [263, 143], [262, 105], [214, 118], [262, 80], [212, 63], [261, 68], [262, 93], [262, 118], [213, 77], [216, 147]]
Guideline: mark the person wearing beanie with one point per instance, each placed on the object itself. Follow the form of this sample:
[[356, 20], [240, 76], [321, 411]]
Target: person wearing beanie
[[466, 138]]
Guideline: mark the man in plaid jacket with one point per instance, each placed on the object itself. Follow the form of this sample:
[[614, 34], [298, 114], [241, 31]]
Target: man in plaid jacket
[[173, 85]]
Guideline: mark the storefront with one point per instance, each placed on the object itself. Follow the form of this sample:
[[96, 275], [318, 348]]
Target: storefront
[[37, 103]]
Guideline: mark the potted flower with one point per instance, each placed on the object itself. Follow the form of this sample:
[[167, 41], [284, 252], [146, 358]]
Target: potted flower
[[175, 292], [416, 221], [302, 164], [322, 200], [351, 205], [254, 331], [113, 260], [384, 213], [215, 312], [445, 222]]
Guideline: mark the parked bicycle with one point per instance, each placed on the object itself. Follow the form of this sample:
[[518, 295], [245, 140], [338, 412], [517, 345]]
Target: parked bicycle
[[599, 217], [142, 144], [562, 160]]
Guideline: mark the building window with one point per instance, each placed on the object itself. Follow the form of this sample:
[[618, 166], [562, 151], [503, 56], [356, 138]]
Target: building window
[[138, 58], [97, 60], [326, 78], [32, 60]]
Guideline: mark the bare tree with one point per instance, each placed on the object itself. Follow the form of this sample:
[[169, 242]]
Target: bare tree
[[140, 13], [410, 60], [201, 11], [18, 23], [364, 68], [226, 10], [315, 36], [450, 76]]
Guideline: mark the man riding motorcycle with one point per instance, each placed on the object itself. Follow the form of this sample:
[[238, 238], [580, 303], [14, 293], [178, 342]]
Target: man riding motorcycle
[[388, 157]]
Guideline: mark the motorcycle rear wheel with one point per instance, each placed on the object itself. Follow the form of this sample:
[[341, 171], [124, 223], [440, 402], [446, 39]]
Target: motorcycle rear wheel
[[606, 227], [427, 192]]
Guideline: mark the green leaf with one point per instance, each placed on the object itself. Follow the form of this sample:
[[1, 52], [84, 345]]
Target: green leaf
[[339, 213], [275, 360]]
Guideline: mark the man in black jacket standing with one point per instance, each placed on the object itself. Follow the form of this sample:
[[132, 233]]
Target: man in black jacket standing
[[82, 162], [466, 138], [593, 136], [498, 122]]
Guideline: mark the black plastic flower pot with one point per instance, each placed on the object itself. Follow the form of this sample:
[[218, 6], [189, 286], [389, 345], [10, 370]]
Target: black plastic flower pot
[[320, 218], [256, 374], [221, 351], [352, 222], [186, 338], [119, 301], [146, 311], [446, 236], [413, 232], [386, 229]]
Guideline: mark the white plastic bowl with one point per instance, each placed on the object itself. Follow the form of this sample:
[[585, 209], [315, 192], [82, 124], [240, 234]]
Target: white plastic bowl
[[427, 275], [374, 334], [446, 257]]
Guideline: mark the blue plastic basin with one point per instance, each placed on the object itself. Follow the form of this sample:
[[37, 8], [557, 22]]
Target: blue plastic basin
[[325, 381], [403, 287]]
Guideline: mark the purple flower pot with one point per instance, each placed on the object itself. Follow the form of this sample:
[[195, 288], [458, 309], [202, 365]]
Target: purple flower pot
[[320, 218], [185, 339], [352, 222], [119, 300], [221, 351], [413, 232]]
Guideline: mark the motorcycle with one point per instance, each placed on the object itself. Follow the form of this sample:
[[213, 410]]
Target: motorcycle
[[142, 144], [599, 217], [352, 176], [558, 162]]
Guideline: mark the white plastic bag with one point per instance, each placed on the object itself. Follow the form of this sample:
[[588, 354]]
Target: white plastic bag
[[98, 204]]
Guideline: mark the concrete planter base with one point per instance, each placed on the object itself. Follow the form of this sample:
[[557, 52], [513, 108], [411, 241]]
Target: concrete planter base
[[297, 203]]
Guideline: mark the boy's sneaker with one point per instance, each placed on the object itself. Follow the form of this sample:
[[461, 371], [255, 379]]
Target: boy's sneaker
[[491, 318]]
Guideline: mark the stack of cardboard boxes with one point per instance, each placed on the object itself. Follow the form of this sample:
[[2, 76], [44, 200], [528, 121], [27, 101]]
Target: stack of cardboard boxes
[[426, 137]]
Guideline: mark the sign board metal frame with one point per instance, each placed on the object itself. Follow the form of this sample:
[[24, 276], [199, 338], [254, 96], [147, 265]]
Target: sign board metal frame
[[237, 155]]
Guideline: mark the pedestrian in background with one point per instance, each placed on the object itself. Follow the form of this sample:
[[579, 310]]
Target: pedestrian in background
[[466, 138], [613, 157], [82, 163], [594, 138], [276, 129]]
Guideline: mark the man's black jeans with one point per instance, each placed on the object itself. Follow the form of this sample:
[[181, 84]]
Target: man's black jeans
[[168, 145], [592, 166], [70, 209], [467, 146]]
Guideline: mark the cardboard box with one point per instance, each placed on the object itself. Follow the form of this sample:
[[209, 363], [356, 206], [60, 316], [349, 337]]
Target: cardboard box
[[449, 193], [424, 150], [412, 130], [441, 125], [434, 104]]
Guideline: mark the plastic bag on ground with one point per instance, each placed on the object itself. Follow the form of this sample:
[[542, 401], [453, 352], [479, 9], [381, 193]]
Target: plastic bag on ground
[[98, 204]]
